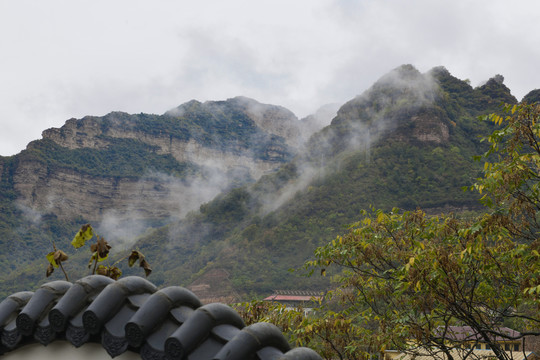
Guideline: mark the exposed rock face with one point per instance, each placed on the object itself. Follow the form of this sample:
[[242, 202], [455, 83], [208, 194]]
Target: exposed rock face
[[430, 129], [67, 192], [88, 133], [78, 134]]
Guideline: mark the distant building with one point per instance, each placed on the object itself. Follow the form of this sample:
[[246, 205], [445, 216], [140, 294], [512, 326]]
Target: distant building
[[465, 334], [468, 344], [459, 354], [297, 299]]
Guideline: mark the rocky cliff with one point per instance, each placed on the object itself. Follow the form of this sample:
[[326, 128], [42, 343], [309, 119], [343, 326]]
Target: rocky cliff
[[180, 159], [408, 141]]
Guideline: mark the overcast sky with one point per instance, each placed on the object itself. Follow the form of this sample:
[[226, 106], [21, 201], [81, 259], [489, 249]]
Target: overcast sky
[[70, 58]]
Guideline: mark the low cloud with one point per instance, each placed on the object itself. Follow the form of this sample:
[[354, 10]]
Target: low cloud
[[165, 199], [403, 87], [33, 216]]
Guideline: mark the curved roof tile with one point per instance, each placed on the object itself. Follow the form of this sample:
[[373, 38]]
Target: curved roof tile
[[133, 314]]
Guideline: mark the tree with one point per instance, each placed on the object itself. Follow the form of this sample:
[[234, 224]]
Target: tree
[[406, 278], [511, 181]]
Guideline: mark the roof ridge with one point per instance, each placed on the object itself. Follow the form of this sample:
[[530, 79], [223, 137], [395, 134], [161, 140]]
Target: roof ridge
[[132, 312]]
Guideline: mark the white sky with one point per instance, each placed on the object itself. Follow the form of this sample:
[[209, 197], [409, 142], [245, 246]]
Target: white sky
[[70, 58]]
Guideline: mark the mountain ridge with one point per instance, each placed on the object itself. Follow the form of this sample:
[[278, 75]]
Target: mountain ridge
[[421, 156], [408, 141]]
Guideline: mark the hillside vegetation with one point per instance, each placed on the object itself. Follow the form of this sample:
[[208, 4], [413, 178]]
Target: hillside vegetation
[[406, 142]]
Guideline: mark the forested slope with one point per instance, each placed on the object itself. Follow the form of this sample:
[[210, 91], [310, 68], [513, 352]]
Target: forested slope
[[407, 142]]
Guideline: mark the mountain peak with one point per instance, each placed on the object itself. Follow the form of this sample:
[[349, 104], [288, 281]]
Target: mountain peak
[[495, 89], [532, 97]]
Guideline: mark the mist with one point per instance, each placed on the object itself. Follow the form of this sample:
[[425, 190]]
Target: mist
[[159, 199], [320, 155], [356, 126], [165, 199]]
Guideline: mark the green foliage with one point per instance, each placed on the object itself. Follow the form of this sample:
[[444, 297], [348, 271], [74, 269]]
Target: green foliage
[[222, 125], [532, 97], [511, 182], [459, 97], [123, 158], [258, 238], [246, 231], [331, 335], [412, 276], [404, 278], [24, 235]]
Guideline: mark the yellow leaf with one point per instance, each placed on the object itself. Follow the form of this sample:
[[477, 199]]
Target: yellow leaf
[[85, 233], [50, 258], [102, 258], [381, 217]]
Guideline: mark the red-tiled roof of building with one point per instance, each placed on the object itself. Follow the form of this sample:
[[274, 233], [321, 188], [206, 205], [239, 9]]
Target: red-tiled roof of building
[[292, 298], [295, 295]]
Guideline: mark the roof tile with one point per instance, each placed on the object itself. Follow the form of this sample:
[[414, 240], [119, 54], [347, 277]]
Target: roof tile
[[131, 314]]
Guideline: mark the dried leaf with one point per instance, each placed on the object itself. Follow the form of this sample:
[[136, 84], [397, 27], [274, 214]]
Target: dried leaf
[[59, 256], [50, 270], [102, 248], [146, 266], [114, 272], [85, 233], [102, 270], [135, 255]]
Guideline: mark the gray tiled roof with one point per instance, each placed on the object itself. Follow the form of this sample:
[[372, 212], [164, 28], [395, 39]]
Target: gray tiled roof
[[133, 314]]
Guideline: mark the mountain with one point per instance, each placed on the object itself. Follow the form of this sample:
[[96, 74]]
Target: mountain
[[95, 164], [408, 141], [126, 173], [272, 193]]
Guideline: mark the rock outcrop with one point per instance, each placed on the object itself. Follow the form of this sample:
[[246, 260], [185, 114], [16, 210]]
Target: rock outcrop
[[224, 142]]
